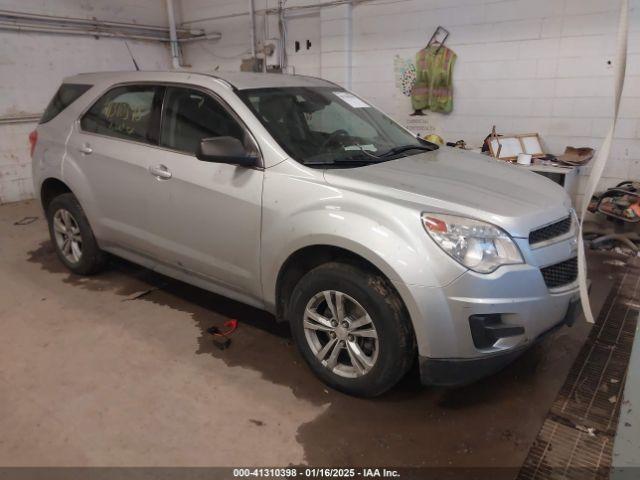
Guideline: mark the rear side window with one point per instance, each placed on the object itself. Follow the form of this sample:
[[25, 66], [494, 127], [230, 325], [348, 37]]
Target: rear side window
[[65, 96], [130, 112]]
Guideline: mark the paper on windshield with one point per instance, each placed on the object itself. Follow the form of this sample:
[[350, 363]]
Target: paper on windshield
[[351, 99], [370, 147]]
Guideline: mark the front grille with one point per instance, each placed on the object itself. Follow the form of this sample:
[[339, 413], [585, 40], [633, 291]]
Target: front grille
[[550, 231], [561, 273]]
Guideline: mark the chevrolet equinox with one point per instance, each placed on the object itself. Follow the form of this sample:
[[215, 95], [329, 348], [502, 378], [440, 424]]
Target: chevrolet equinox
[[298, 197]]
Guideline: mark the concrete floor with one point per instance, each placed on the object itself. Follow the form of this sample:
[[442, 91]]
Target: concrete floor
[[91, 375]]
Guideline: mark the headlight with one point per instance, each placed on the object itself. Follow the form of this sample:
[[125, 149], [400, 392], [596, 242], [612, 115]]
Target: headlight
[[477, 245]]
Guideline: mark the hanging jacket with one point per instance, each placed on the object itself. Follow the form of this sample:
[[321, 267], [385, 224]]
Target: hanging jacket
[[433, 89]]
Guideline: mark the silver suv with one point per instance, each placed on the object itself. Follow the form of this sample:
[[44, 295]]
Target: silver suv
[[295, 196]]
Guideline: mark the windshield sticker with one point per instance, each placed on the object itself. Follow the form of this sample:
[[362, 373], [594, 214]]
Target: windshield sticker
[[369, 147], [352, 100]]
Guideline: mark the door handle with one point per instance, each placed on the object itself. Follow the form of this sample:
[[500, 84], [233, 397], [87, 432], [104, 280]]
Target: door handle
[[160, 172], [86, 149]]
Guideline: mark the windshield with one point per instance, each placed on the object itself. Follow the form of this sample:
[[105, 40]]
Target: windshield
[[329, 126]]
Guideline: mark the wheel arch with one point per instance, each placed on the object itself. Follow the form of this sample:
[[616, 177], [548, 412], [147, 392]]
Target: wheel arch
[[50, 189], [304, 259]]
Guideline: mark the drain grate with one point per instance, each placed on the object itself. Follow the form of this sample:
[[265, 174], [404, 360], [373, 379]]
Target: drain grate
[[576, 439]]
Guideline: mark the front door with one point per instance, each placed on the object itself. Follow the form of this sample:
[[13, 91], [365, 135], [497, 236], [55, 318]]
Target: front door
[[205, 217]]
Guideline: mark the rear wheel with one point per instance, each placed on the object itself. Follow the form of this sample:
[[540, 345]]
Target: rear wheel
[[72, 236], [352, 329]]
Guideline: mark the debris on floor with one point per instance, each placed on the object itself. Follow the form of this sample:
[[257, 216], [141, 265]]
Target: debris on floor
[[615, 263], [621, 203], [25, 221], [143, 293], [589, 430], [622, 243], [220, 338], [620, 206]]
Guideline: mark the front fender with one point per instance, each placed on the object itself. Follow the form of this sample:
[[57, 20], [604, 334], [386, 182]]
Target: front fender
[[388, 235], [400, 259]]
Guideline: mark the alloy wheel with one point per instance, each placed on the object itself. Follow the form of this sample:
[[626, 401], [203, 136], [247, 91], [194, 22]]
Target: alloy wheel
[[67, 234], [341, 334]]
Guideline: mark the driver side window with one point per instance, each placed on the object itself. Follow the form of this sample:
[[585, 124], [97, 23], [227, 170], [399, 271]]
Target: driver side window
[[190, 115]]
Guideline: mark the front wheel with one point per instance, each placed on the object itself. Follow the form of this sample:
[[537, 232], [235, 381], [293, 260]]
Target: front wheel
[[352, 329]]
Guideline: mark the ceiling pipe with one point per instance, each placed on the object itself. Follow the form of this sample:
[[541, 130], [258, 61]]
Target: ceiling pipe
[[26, 27], [173, 36], [253, 29], [23, 118], [94, 22], [20, 27], [206, 36], [276, 11]]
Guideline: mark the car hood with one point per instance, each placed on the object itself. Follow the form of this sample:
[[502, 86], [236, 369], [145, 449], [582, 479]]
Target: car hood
[[464, 183]]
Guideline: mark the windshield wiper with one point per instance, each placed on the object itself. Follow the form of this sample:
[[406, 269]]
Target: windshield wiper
[[359, 158], [404, 148], [347, 161], [364, 157]]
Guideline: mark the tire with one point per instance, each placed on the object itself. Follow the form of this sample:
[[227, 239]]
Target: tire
[[67, 220], [375, 352]]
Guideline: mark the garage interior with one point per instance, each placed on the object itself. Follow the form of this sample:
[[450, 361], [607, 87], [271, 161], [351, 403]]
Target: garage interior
[[120, 369]]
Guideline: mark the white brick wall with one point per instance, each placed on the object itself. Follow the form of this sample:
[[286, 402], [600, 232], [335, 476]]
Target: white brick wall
[[523, 65], [32, 66]]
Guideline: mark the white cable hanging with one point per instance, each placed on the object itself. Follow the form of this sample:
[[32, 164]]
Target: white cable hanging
[[602, 156]]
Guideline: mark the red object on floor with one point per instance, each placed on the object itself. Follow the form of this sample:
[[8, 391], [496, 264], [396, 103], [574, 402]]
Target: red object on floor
[[221, 339], [231, 327]]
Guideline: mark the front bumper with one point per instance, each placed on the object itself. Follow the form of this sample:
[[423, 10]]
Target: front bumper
[[516, 294], [476, 323], [451, 372], [440, 315]]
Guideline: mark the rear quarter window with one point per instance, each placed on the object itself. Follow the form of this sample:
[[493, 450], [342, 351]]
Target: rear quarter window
[[65, 96]]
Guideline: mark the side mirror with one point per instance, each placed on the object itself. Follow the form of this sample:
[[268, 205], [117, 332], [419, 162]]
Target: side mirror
[[225, 150]]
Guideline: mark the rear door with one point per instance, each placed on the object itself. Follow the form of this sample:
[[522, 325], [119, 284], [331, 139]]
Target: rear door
[[205, 217], [112, 148]]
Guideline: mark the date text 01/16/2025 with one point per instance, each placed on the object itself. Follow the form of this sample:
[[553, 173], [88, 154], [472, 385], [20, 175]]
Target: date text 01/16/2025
[[292, 472]]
